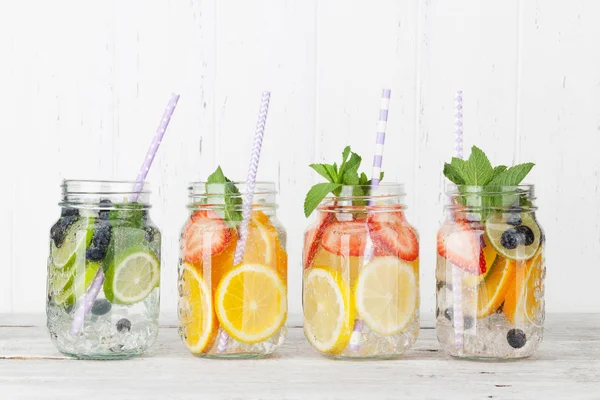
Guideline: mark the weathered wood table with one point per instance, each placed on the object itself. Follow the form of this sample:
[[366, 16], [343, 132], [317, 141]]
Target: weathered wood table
[[566, 367]]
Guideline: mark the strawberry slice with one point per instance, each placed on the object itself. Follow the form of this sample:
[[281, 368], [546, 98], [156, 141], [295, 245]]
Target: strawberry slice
[[462, 247], [348, 238], [313, 236], [393, 234], [205, 229]]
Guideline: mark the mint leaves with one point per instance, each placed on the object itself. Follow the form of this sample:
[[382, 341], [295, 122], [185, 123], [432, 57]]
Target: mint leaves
[[346, 174], [226, 192], [478, 171]]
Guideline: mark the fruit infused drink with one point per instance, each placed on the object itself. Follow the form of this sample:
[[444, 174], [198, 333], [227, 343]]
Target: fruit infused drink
[[101, 234], [361, 269], [491, 266], [228, 309]]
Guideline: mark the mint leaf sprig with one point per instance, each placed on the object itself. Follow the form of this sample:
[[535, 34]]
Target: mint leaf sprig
[[231, 196], [346, 174], [478, 171]]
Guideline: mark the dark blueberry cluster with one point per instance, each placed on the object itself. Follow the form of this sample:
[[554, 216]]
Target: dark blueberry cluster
[[69, 212], [59, 230], [103, 214], [514, 219], [516, 338], [124, 325], [100, 241], [520, 235], [101, 307]]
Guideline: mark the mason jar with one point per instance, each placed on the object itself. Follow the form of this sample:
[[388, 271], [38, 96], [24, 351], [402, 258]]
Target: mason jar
[[490, 273], [361, 274], [232, 272], [103, 271]]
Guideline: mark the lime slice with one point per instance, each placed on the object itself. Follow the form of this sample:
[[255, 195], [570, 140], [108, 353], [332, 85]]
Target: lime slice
[[77, 238], [514, 236], [131, 276], [69, 283]]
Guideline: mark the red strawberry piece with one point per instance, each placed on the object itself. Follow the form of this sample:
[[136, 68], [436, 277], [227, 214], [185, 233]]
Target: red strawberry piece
[[348, 238], [462, 247], [205, 230], [394, 218], [396, 236], [313, 236]]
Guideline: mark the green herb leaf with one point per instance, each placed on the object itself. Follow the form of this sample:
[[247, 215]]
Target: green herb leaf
[[316, 194], [350, 173], [363, 180], [326, 171], [513, 175], [498, 170], [129, 215], [453, 174], [478, 170], [230, 195]]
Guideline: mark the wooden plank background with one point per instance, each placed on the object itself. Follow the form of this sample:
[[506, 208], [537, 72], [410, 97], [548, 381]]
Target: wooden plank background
[[85, 82]]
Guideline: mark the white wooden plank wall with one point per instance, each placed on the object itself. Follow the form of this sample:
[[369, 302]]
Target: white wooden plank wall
[[84, 84]]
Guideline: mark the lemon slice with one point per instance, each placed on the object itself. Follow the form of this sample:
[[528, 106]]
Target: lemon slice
[[492, 291], [328, 315], [387, 295], [521, 304], [197, 321], [251, 303]]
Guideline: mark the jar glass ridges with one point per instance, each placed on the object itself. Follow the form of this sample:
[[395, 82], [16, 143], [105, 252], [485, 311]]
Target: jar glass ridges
[[228, 309], [361, 275], [103, 271], [490, 273]]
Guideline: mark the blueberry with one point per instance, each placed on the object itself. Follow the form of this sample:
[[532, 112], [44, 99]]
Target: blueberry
[[101, 307], [514, 219], [527, 235], [150, 233], [516, 338], [124, 325], [94, 254], [449, 314], [69, 308], [510, 239], [59, 229], [468, 322], [100, 241], [104, 214], [69, 212]]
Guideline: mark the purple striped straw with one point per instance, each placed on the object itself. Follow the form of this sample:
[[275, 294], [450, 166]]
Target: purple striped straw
[[356, 337], [247, 201], [85, 305], [456, 287]]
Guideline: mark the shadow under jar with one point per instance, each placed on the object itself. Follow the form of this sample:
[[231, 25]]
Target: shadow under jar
[[232, 306], [103, 271], [490, 273], [361, 274]]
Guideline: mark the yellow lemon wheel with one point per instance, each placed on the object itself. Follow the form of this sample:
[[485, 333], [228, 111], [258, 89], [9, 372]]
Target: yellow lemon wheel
[[196, 317], [251, 303], [328, 314]]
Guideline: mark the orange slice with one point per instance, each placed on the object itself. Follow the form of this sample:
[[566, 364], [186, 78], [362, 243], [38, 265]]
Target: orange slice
[[251, 303], [492, 291], [522, 304], [197, 320]]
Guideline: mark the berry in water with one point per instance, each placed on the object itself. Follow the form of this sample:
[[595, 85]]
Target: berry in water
[[510, 239], [516, 338], [150, 233], [101, 307], [527, 235], [100, 241], [59, 230], [103, 214], [124, 325], [69, 212], [449, 314], [514, 219]]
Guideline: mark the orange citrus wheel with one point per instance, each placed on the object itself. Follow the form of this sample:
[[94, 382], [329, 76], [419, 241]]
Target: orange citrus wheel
[[522, 304], [251, 303], [491, 293], [196, 317]]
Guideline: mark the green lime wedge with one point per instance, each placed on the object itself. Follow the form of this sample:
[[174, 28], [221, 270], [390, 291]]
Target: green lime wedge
[[69, 283], [132, 275], [77, 238], [514, 236]]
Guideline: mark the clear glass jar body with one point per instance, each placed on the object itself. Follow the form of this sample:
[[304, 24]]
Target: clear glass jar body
[[103, 271], [232, 306], [490, 273], [361, 275]]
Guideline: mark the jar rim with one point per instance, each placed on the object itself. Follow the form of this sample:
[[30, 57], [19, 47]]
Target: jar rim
[[260, 187], [452, 188], [106, 187]]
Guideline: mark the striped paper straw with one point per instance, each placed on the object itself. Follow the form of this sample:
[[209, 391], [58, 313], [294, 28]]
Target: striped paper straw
[[456, 294], [247, 201], [356, 337], [85, 305]]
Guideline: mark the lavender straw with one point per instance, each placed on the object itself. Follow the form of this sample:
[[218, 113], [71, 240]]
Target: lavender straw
[[84, 306], [456, 288], [356, 337], [247, 201]]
